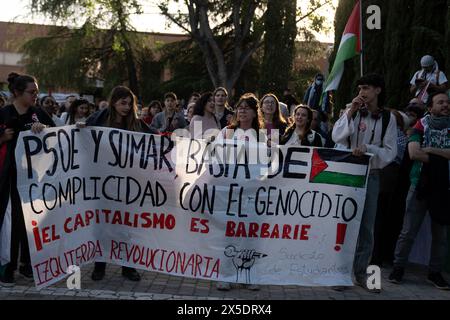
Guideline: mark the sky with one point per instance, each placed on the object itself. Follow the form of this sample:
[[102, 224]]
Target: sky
[[150, 21]]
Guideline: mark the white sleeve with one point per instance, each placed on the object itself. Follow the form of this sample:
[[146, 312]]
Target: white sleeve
[[343, 128], [388, 152], [64, 117], [413, 79], [58, 122], [442, 78]]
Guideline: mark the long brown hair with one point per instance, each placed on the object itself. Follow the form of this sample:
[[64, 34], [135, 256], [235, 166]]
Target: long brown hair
[[293, 126], [253, 103], [74, 108], [278, 118], [227, 106], [132, 122]]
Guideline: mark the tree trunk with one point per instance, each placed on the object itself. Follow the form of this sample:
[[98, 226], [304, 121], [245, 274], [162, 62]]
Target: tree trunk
[[132, 71], [279, 45]]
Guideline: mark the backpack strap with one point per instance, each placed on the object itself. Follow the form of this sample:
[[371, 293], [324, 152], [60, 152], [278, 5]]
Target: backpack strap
[[385, 119]]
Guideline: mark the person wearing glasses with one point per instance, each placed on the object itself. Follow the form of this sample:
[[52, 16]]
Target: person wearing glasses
[[273, 117], [245, 126], [21, 115], [247, 121]]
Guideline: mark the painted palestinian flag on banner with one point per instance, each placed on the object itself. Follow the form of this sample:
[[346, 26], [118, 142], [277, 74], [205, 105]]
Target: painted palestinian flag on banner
[[349, 47], [331, 166]]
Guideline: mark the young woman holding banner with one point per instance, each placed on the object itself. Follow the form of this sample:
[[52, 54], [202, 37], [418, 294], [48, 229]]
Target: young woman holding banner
[[120, 114], [300, 133], [21, 115], [246, 122], [244, 126]]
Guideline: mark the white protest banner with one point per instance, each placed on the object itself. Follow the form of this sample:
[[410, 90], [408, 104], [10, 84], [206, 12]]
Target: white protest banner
[[133, 199]]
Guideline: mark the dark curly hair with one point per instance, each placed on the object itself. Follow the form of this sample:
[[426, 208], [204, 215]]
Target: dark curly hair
[[199, 108]]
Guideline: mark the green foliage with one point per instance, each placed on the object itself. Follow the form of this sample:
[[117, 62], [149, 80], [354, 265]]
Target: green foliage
[[410, 29], [304, 73], [60, 58], [104, 39], [232, 32], [101, 13], [74, 58], [101, 39], [188, 69], [281, 31], [279, 41]]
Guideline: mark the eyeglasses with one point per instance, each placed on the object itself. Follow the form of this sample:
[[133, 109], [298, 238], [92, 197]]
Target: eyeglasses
[[269, 102], [242, 109], [32, 92]]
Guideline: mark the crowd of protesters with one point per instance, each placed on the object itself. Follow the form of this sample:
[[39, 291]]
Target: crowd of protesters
[[410, 146]]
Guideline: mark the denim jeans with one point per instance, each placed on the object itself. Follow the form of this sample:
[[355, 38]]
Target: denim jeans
[[414, 215], [364, 246]]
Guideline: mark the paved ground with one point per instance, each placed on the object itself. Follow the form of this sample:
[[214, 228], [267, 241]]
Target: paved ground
[[157, 286]]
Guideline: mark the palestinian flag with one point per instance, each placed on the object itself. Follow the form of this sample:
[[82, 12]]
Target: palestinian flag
[[349, 47], [330, 166]]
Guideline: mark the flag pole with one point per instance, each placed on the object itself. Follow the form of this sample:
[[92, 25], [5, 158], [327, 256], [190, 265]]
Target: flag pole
[[361, 58]]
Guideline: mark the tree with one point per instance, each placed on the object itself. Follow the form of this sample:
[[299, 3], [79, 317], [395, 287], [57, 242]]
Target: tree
[[284, 22], [279, 45], [395, 50], [59, 58], [304, 72], [189, 74], [230, 32], [106, 28], [187, 68], [239, 23]]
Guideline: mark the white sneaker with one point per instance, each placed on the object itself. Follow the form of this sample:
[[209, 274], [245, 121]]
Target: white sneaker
[[223, 286]]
